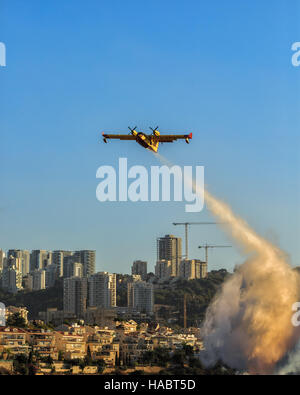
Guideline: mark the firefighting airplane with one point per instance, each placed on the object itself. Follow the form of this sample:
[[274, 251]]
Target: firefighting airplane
[[148, 141]]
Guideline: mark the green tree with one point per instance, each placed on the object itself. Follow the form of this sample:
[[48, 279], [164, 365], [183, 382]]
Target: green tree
[[20, 364], [16, 320], [178, 358], [188, 350], [101, 365]]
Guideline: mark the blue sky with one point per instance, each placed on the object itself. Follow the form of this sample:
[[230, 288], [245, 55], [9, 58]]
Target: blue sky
[[221, 70]]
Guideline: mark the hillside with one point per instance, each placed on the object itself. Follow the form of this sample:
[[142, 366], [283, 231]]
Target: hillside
[[199, 294], [35, 301]]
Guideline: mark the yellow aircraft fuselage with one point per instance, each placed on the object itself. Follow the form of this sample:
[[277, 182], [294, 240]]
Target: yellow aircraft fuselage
[[149, 142]]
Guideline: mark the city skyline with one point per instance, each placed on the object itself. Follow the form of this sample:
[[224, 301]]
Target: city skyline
[[222, 71]]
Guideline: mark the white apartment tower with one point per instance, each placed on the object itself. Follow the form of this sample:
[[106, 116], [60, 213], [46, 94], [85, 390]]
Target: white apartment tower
[[2, 259], [102, 290], [11, 279], [140, 296]]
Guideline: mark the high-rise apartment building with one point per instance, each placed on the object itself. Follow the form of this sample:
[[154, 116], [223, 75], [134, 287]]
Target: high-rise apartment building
[[72, 268], [50, 275], [58, 257], [11, 278], [201, 269], [139, 267], [39, 259], [75, 296], [88, 260], [2, 259], [140, 296], [27, 282], [165, 269], [169, 248], [13, 262], [192, 269], [38, 280], [24, 260], [102, 290]]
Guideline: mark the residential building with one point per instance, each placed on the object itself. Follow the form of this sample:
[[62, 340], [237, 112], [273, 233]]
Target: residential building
[[139, 267], [88, 260], [39, 259], [15, 262], [72, 345], [140, 296], [11, 278], [201, 269], [13, 340], [169, 248], [23, 259], [165, 269], [38, 280], [102, 290], [2, 259], [192, 269], [43, 343], [58, 257], [75, 296], [50, 275], [27, 282], [72, 268]]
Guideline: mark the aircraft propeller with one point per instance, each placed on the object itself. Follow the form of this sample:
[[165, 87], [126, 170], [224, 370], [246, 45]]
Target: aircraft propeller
[[155, 131], [132, 130]]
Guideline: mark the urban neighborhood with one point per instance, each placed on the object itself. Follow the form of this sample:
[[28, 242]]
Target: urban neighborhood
[[100, 322]]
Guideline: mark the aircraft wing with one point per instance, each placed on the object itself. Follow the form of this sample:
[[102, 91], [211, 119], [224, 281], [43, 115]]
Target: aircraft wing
[[118, 136], [169, 138]]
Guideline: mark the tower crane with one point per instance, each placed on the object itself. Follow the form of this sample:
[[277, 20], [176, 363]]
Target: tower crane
[[206, 246], [186, 225]]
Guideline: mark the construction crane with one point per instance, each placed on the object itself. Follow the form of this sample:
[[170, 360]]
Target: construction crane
[[206, 246], [184, 312], [186, 224], [186, 298]]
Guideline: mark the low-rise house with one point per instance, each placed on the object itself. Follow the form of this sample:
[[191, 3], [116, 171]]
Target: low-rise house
[[60, 367], [13, 341], [76, 370], [127, 326], [72, 345], [43, 343], [90, 370], [131, 348], [108, 357]]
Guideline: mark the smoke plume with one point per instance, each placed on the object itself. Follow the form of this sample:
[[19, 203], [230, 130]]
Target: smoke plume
[[248, 325]]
